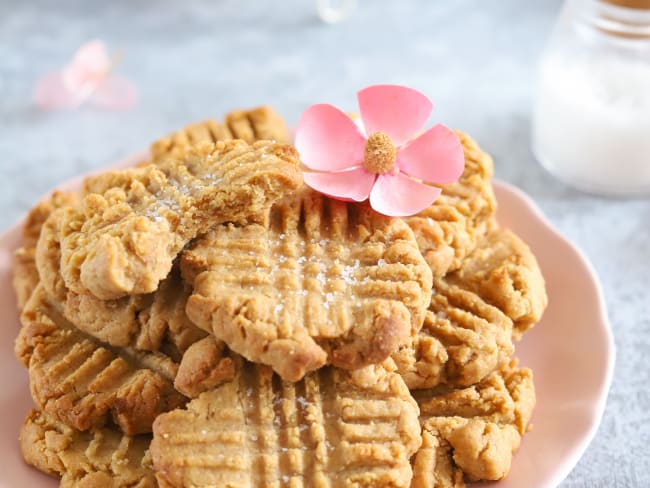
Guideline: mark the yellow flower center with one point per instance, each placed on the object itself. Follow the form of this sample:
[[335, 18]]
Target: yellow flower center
[[380, 154]]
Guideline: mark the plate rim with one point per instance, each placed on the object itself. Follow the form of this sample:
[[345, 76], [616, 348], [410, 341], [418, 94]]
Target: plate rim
[[603, 322]]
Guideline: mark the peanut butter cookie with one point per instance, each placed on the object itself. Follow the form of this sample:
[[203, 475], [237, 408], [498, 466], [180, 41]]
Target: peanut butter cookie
[[472, 433], [504, 272], [333, 428], [128, 230], [258, 124], [100, 457], [449, 229], [320, 281]]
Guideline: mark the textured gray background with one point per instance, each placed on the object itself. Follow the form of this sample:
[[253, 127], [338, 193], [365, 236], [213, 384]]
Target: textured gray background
[[197, 59]]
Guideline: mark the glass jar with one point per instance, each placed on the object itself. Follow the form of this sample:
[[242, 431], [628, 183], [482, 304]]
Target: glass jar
[[591, 122]]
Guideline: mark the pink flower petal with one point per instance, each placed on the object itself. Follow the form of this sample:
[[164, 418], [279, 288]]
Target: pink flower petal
[[51, 93], [89, 66], [115, 93], [435, 156], [93, 56], [354, 185], [400, 196], [398, 111], [327, 140]]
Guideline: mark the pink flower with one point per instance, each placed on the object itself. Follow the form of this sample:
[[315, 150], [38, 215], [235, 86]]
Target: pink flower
[[387, 164], [87, 77]]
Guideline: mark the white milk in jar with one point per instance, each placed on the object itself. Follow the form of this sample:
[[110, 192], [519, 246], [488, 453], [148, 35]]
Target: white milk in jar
[[591, 123]]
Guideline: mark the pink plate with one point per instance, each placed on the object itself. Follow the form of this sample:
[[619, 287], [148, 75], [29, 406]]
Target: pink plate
[[571, 352]]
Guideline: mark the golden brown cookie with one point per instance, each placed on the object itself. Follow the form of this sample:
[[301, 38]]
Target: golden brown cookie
[[205, 365], [333, 428], [175, 145], [321, 281], [84, 384], [48, 256], [25, 274], [449, 229], [100, 457], [261, 123], [473, 431], [504, 272], [258, 124], [155, 322], [433, 466], [39, 214], [126, 233], [152, 322], [463, 339]]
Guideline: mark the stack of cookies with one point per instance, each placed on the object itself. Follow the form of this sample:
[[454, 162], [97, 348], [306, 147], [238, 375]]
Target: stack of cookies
[[206, 320]]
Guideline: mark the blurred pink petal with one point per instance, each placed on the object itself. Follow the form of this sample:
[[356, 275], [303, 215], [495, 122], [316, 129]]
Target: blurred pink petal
[[327, 140], [397, 111], [88, 68], [92, 56], [115, 93], [87, 75], [435, 156], [352, 185], [400, 196], [51, 93]]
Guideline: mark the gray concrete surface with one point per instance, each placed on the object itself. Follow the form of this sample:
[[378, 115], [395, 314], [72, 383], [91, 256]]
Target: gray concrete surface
[[193, 59]]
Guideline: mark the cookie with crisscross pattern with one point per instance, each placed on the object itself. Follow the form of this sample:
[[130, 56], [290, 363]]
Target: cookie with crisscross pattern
[[505, 273], [449, 229], [257, 124], [98, 457], [83, 383], [128, 230], [463, 340], [318, 281], [332, 428], [471, 433], [24, 271]]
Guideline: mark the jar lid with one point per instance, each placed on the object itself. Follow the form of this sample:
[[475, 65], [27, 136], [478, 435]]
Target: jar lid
[[638, 4]]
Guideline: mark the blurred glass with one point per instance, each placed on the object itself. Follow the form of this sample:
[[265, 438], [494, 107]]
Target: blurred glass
[[333, 11], [591, 123]]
